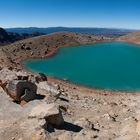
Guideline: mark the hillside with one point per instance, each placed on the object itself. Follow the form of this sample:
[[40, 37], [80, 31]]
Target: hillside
[[131, 37], [43, 46]]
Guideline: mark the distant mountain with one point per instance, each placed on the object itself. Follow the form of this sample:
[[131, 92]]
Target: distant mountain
[[96, 31]]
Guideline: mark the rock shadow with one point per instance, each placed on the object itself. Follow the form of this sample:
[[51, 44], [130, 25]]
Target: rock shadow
[[40, 97], [72, 127], [67, 126], [36, 97], [63, 99]]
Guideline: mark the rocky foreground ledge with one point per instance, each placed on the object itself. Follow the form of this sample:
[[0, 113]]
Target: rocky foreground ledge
[[63, 113]]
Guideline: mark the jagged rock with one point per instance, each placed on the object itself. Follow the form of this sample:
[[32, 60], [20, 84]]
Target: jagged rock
[[20, 89], [33, 79], [50, 88], [50, 112], [42, 77], [28, 95]]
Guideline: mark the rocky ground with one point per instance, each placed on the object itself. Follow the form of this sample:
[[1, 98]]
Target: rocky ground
[[64, 111], [86, 116]]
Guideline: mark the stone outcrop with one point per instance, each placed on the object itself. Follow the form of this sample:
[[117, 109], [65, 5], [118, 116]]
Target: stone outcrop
[[20, 89], [50, 112], [74, 115], [52, 89]]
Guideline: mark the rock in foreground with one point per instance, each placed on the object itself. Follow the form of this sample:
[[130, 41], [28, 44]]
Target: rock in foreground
[[50, 112]]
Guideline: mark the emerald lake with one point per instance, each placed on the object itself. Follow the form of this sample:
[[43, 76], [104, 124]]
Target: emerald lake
[[113, 65]]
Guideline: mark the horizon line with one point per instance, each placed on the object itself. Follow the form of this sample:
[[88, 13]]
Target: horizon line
[[121, 28]]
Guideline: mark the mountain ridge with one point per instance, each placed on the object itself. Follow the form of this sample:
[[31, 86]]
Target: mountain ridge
[[88, 30]]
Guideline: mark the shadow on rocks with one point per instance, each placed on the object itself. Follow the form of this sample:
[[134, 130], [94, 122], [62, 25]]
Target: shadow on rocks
[[67, 126], [40, 97]]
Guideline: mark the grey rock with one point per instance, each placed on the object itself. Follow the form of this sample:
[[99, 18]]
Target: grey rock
[[50, 112]]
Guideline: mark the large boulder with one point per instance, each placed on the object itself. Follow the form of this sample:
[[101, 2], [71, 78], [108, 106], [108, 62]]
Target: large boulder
[[41, 77], [54, 90], [21, 89], [50, 112]]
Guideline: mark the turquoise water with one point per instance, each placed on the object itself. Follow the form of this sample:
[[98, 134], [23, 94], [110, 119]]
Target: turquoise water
[[114, 65]]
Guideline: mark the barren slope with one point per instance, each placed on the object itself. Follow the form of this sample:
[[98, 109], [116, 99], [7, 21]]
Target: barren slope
[[43, 46], [131, 37]]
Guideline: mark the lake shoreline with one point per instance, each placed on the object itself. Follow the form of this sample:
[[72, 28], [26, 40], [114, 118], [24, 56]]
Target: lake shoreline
[[87, 89], [35, 48]]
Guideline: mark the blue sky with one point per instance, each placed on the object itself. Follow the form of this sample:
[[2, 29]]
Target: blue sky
[[70, 13]]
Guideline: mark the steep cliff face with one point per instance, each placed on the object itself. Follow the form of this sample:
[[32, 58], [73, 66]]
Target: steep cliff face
[[7, 38], [4, 37], [131, 37]]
